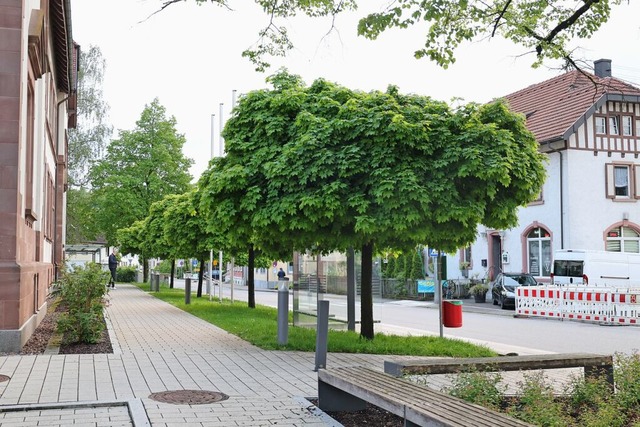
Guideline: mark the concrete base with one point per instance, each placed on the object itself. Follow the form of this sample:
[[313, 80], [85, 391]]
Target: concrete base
[[12, 340]]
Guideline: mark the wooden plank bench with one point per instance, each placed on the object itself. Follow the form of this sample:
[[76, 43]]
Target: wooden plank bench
[[349, 389], [594, 365]]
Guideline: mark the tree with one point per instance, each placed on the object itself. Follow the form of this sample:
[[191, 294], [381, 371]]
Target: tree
[[227, 207], [88, 140], [185, 227], [87, 143], [548, 28], [327, 168], [417, 266], [140, 167]]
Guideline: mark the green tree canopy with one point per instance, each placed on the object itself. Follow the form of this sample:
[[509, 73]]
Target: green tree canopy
[[329, 168], [88, 140], [87, 144], [140, 167], [550, 28]]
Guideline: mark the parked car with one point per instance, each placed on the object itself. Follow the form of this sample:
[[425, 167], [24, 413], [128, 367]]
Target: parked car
[[503, 288]]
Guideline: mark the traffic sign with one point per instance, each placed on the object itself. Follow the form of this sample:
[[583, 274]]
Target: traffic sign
[[433, 252]]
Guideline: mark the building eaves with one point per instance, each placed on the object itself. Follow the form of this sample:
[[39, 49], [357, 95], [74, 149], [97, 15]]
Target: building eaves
[[63, 44], [556, 107]]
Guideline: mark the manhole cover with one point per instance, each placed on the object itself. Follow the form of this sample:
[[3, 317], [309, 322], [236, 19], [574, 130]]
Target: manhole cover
[[188, 397], [4, 378]]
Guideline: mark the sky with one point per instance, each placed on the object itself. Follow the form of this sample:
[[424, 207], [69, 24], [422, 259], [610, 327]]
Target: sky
[[189, 57]]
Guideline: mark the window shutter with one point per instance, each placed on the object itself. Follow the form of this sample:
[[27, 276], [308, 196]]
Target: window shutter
[[636, 181], [610, 182]]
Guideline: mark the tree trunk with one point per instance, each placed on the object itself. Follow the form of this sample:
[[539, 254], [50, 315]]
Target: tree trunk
[[200, 274], [250, 278], [145, 269], [366, 292], [173, 273]]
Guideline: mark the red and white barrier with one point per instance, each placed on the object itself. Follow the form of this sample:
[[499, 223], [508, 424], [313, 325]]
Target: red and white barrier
[[593, 304]]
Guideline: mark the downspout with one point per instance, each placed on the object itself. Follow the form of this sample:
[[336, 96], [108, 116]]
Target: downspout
[[561, 202], [55, 198]]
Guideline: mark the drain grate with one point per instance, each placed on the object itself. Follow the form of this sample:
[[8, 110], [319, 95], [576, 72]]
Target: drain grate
[[4, 378], [188, 397]]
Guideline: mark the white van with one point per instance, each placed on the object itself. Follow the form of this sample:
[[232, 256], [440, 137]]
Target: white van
[[596, 268]]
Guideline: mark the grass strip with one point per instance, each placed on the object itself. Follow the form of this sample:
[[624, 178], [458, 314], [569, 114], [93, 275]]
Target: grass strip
[[259, 327]]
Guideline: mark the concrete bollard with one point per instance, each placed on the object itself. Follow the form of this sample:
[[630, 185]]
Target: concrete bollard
[[322, 333], [283, 313], [187, 290]]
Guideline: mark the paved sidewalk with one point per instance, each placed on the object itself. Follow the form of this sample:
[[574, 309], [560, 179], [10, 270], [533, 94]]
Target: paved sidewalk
[[159, 348]]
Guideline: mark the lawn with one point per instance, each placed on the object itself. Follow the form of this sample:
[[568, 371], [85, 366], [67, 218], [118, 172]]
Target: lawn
[[259, 327]]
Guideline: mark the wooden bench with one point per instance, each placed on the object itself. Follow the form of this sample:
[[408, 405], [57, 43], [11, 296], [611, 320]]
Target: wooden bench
[[349, 389], [594, 365]]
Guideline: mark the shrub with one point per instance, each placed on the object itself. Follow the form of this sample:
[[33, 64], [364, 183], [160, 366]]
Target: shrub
[[627, 379], [126, 274], [81, 290], [536, 403], [592, 402], [481, 388], [164, 266]]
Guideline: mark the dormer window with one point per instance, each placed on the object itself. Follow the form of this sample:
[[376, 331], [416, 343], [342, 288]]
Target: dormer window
[[601, 125]]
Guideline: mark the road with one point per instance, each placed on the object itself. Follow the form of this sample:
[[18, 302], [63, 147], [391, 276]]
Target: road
[[481, 323]]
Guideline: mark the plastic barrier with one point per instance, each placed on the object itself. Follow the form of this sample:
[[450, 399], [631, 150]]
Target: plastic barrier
[[584, 303], [452, 313]]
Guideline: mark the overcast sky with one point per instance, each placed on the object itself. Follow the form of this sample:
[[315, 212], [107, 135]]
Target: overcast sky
[[189, 57]]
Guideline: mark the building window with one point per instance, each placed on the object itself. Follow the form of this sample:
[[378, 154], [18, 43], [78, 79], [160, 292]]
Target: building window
[[601, 125], [539, 252], [638, 127], [623, 239], [619, 178], [614, 126], [627, 126]]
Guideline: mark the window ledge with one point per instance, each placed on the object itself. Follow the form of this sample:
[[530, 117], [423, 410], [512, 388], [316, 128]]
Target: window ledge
[[30, 216]]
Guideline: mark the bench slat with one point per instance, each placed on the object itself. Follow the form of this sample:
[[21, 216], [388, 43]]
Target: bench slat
[[420, 405]]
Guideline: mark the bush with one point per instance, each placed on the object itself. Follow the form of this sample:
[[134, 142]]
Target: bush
[[126, 274], [81, 290], [481, 388], [164, 266]]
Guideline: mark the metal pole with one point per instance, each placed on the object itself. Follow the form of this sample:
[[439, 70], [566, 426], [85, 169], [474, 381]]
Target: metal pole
[[322, 333], [220, 277], [187, 290], [439, 291], [221, 146], [233, 269], [351, 290], [210, 280], [283, 313]]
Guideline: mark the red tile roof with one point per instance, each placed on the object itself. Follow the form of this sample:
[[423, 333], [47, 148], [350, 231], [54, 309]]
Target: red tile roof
[[554, 105]]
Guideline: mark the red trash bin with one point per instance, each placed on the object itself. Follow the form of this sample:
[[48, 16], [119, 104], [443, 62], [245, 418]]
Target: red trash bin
[[452, 313]]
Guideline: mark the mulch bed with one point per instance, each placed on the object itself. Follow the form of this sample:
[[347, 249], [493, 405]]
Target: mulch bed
[[39, 341], [371, 416]]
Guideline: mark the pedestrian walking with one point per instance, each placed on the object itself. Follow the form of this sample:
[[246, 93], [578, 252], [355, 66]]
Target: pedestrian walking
[[281, 274], [113, 265]]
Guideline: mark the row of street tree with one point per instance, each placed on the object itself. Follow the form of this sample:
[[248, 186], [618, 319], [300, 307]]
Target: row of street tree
[[325, 168]]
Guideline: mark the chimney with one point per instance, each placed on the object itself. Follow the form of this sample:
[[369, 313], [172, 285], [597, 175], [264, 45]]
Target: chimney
[[602, 68]]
